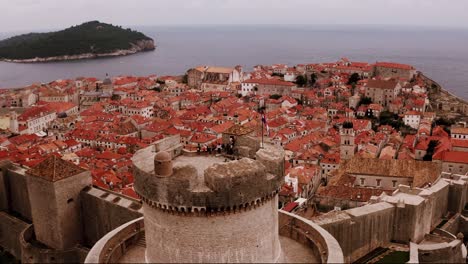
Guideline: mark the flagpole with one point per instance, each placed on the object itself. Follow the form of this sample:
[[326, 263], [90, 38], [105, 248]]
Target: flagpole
[[262, 127]]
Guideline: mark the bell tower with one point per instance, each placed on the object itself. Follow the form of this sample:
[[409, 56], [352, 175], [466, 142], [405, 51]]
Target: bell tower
[[347, 145]]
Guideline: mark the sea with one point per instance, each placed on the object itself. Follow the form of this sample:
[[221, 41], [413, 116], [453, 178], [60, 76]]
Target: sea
[[441, 53]]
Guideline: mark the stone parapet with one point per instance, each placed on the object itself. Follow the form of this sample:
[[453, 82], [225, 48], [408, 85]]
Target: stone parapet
[[209, 184]]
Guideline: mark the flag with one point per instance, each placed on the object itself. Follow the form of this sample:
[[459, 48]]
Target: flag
[[264, 121]]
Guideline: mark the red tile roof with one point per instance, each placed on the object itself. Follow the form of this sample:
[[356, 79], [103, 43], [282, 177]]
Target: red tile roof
[[452, 156], [54, 169]]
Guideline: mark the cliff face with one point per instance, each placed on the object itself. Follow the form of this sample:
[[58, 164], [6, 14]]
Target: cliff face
[[139, 46], [145, 45]]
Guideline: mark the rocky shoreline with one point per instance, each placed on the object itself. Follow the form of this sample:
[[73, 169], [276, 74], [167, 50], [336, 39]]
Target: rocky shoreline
[[140, 46], [445, 103]]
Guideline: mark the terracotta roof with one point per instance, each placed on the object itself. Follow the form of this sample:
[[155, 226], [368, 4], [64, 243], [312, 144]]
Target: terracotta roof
[[452, 156], [460, 143], [290, 206], [422, 172], [459, 130], [382, 84], [54, 169], [238, 130]]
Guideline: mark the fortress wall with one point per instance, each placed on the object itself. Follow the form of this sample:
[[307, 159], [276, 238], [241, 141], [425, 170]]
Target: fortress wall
[[453, 225], [438, 201], [167, 143], [463, 225], [103, 211], [44, 208], [457, 197], [10, 231], [4, 192], [453, 252], [361, 230], [391, 73], [31, 252], [186, 238], [18, 192]]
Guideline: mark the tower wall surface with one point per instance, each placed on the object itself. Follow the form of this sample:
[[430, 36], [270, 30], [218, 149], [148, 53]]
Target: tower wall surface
[[246, 236], [209, 210], [56, 210]]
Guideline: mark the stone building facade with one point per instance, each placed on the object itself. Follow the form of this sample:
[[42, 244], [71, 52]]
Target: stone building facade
[[383, 92], [213, 78], [394, 70]]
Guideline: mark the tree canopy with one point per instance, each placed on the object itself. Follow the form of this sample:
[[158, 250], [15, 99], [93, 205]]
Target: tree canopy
[[275, 96], [301, 80], [354, 78], [90, 37], [430, 150], [365, 101]]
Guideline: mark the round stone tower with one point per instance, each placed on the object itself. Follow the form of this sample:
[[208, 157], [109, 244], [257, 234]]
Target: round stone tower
[[203, 209]]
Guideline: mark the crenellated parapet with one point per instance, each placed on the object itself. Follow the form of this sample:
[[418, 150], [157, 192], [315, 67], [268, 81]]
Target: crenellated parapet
[[207, 185], [204, 211]]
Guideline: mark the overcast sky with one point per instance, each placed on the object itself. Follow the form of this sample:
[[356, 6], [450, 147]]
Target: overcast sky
[[19, 15]]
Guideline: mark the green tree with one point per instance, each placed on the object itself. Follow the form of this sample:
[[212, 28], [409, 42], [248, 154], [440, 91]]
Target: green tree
[[430, 150], [354, 78], [277, 74], [365, 101], [275, 96], [91, 37], [301, 80], [313, 79]]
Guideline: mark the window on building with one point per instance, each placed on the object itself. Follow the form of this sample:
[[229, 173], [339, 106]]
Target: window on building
[[394, 184], [378, 182], [362, 181]]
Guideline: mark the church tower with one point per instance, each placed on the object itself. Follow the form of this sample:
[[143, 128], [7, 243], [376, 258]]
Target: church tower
[[14, 128], [347, 146], [107, 86]]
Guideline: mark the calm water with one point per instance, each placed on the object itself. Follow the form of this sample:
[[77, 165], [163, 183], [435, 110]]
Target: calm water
[[440, 53]]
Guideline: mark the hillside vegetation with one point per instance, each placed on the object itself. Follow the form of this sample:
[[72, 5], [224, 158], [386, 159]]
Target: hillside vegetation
[[91, 37]]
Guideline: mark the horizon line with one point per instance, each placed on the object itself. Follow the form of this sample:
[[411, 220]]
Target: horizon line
[[205, 25]]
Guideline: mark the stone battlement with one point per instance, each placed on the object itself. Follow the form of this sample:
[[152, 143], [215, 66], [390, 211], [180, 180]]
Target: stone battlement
[[206, 185], [204, 211]]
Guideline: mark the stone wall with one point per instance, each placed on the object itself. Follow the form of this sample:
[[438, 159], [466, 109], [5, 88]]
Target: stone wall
[[221, 186], [103, 211], [385, 72], [33, 252], [10, 231], [52, 204], [457, 193], [406, 216], [170, 144], [323, 244], [360, 230], [4, 185], [188, 238], [18, 195], [446, 252]]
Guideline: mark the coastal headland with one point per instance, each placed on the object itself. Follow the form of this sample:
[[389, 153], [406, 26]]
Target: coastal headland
[[86, 41]]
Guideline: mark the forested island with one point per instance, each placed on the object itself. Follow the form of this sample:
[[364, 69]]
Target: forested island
[[89, 40]]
